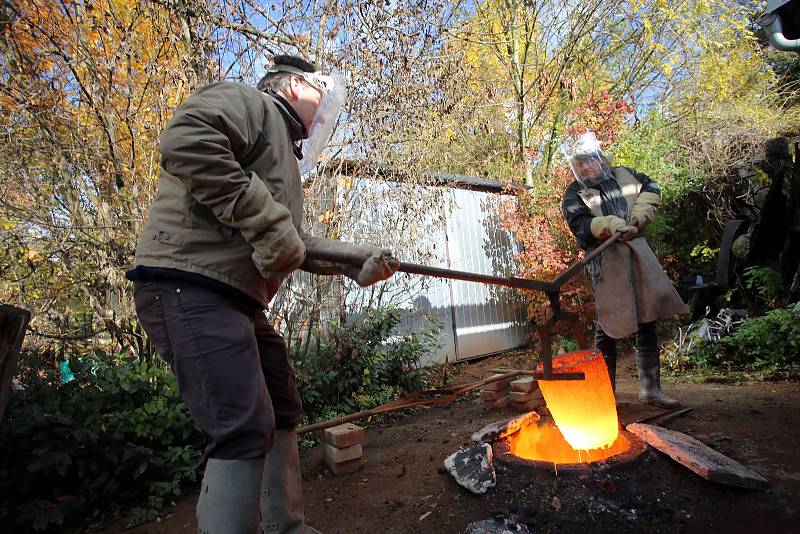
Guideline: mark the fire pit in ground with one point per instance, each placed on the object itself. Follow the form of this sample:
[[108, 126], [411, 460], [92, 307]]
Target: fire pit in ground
[[541, 445], [584, 431]]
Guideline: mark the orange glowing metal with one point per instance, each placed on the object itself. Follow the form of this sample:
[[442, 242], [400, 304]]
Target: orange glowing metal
[[584, 410], [544, 443]]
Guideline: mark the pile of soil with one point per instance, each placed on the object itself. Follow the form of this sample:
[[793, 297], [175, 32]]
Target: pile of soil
[[403, 486]]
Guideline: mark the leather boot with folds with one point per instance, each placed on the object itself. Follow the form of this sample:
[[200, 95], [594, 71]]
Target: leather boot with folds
[[228, 502], [281, 493], [648, 366]]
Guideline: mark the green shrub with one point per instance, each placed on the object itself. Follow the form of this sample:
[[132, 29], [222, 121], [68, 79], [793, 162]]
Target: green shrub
[[362, 365], [769, 341], [116, 434], [765, 282]]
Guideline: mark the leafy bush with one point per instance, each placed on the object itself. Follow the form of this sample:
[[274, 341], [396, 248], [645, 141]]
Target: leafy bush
[[362, 365], [116, 433], [765, 282], [770, 342]]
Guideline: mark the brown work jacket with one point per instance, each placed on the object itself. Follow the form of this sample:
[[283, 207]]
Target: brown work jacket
[[229, 203]]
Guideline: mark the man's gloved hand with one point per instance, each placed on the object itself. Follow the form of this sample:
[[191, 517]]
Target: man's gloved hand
[[644, 209], [607, 225], [380, 265]]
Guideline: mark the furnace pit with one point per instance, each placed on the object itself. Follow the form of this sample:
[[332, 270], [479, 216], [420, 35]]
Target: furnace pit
[[540, 445], [584, 429]]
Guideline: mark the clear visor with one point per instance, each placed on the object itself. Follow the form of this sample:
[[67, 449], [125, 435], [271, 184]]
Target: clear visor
[[587, 161], [334, 93]]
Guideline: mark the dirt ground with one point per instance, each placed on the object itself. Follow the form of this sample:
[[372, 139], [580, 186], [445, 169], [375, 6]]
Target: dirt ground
[[404, 488]]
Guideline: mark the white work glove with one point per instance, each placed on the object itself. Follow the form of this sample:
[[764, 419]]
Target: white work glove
[[380, 265], [607, 225], [644, 209]]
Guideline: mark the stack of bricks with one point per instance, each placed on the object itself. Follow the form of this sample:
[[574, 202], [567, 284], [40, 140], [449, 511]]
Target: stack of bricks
[[525, 394], [341, 448], [495, 394]]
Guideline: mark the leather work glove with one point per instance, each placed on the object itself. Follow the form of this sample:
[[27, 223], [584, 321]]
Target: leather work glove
[[644, 209], [380, 265], [607, 225]]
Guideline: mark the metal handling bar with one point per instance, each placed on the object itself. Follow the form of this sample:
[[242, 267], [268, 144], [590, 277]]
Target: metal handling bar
[[413, 268], [438, 272], [551, 288], [571, 271]]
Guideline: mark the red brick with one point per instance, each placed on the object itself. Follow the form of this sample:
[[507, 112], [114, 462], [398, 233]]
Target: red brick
[[527, 406], [345, 435], [344, 468], [332, 455], [518, 396], [493, 395], [497, 404], [495, 386], [526, 384]]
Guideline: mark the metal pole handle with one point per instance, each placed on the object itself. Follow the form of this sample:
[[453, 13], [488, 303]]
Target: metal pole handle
[[413, 268]]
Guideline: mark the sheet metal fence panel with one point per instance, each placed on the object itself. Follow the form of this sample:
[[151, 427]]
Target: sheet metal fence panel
[[475, 319], [489, 319]]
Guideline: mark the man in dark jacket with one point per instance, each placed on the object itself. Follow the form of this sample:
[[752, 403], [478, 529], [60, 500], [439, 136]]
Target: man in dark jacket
[[224, 231], [631, 290]]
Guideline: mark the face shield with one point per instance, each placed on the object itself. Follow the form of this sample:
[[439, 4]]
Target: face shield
[[334, 93], [587, 161]]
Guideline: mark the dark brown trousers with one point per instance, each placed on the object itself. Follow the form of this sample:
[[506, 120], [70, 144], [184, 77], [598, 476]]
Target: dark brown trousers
[[232, 368]]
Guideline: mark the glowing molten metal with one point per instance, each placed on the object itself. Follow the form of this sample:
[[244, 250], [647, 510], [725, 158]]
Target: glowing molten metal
[[586, 427], [544, 443]]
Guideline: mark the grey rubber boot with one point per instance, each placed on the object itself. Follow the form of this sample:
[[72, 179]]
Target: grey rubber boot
[[281, 493], [647, 364], [228, 502]]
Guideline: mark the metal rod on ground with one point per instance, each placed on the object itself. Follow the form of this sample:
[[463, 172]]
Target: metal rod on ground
[[664, 417], [411, 402]]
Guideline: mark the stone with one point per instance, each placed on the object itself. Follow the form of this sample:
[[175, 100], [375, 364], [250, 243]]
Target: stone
[[345, 435], [698, 457], [332, 455], [496, 525], [343, 468], [519, 396], [493, 395], [502, 429], [498, 404], [472, 467], [495, 386], [526, 384]]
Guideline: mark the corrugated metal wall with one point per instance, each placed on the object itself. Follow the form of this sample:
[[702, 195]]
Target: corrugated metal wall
[[476, 319]]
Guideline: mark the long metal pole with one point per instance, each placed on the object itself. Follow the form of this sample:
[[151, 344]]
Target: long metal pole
[[510, 281]]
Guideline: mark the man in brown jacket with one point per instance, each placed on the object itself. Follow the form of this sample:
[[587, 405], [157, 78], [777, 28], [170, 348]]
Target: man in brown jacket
[[224, 231]]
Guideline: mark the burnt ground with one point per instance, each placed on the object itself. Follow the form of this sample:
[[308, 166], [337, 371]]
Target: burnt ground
[[403, 487]]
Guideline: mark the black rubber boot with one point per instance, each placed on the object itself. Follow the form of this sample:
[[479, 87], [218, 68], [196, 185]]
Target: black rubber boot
[[608, 346], [649, 369]]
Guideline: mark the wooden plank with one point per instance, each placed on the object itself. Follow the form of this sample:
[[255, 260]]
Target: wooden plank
[[13, 322], [700, 458]]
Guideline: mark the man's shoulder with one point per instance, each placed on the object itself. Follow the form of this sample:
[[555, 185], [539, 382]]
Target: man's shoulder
[[230, 91], [573, 188], [227, 87], [623, 168]]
